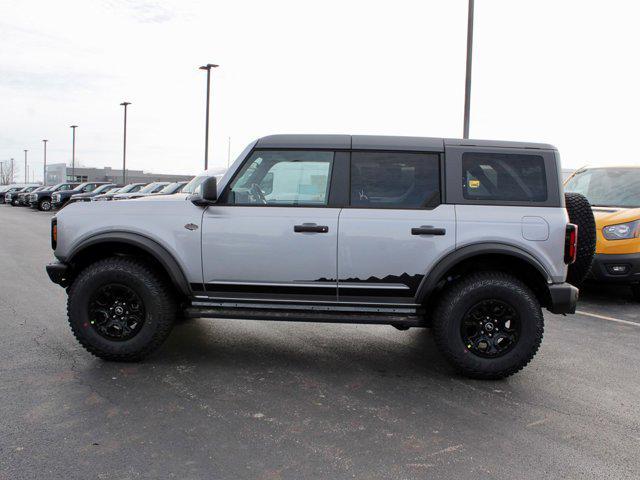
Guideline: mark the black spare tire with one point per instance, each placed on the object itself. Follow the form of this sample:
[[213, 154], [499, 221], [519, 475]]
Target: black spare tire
[[580, 214]]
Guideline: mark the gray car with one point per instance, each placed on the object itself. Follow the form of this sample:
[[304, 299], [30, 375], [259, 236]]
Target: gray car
[[469, 238]]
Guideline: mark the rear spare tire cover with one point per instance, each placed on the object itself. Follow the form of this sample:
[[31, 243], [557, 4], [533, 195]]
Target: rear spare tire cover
[[580, 213]]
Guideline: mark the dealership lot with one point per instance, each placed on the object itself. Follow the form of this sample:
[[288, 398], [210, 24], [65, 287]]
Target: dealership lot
[[281, 400]]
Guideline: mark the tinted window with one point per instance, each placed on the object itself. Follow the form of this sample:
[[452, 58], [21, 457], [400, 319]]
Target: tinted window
[[283, 178], [394, 180], [503, 177]]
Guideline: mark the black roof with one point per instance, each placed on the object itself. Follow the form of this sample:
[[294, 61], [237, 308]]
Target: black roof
[[384, 142]]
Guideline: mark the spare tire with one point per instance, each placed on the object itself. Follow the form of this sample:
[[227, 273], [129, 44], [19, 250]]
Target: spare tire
[[580, 213]]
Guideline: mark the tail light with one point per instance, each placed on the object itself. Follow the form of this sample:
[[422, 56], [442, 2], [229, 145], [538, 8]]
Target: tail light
[[54, 233], [571, 244]]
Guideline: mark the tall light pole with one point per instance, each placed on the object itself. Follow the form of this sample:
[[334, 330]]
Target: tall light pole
[[208, 68], [124, 144], [26, 178], [73, 154], [44, 167], [467, 85]]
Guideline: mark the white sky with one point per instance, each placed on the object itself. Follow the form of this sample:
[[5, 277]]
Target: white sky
[[557, 71]]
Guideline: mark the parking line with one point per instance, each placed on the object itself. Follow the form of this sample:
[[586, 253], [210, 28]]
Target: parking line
[[610, 319]]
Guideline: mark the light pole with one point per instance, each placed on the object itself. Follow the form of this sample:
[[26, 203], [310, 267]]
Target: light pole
[[208, 68], [44, 167], [73, 154], [124, 144], [26, 178], [467, 84]]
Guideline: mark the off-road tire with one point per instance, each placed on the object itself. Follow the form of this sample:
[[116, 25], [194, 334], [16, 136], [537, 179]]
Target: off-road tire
[[580, 213], [44, 205], [147, 283], [460, 297]]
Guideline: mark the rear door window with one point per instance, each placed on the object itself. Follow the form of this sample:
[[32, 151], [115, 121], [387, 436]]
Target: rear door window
[[504, 177], [395, 180]]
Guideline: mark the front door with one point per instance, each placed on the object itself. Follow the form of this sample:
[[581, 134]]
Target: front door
[[273, 234], [395, 227]]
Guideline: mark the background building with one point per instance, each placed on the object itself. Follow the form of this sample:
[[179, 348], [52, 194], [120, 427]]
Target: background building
[[60, 172]]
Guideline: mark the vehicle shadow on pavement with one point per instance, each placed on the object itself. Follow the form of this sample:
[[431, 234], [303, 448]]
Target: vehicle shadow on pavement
[[607, 294], [327, 349]]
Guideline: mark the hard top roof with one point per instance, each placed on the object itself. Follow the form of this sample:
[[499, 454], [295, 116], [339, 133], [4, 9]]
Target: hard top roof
[[384, 142]]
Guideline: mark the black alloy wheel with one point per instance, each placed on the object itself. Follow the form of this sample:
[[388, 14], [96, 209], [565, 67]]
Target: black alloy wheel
[[116, 312], [491, 328]]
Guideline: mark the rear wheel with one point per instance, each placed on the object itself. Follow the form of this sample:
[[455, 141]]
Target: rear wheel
[[44, 205], [580, 213], [120, 309], [488, 325]]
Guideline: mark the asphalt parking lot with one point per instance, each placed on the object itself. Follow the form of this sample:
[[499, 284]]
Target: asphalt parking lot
[[234, 399]]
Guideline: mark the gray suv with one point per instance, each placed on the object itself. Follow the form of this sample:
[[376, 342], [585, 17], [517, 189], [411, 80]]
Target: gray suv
[[470, 238]]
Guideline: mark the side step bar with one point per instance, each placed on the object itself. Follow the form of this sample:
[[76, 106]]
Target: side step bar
[[399, 320]]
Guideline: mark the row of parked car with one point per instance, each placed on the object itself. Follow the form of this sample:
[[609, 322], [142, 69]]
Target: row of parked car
[[57, 196]]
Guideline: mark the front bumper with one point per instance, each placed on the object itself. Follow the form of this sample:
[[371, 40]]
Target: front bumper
[[618, 268], [58, 273], [564, 298]]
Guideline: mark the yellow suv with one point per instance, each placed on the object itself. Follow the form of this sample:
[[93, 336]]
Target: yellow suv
[[614, 195]]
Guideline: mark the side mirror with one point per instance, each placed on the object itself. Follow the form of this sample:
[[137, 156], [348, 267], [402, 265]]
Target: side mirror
[[209, 194]]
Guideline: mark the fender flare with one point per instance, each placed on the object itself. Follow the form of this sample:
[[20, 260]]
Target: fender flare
[[153, 248], [436, 274]]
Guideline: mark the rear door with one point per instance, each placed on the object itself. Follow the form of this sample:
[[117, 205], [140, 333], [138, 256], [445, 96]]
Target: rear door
[[273, 233], [394, 228]]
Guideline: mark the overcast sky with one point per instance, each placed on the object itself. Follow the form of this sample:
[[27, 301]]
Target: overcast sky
[[562, 72]]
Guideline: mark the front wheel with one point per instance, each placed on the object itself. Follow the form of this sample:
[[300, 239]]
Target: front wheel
[[44, 205], [488, 325], [120, 309]]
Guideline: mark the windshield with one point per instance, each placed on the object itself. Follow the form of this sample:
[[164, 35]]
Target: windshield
[[102, 188], [79, 187], [608, 187], [172, 187], [194, 185], [149, 188], [129, 188]]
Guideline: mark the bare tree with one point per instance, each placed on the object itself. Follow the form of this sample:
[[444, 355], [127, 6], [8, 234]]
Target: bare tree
[[8, 172]]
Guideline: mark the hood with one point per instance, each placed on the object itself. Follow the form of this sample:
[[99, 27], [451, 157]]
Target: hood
[[613, 215]]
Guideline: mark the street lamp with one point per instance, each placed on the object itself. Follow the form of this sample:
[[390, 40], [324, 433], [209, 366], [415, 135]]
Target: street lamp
[[467, 85], [124, 145], [26, 179], [44, 168], [73, 154], [208, 68]]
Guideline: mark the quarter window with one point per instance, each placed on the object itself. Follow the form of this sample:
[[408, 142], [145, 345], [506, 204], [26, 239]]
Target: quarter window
[[394, 180], [504, 177], [283, 178]]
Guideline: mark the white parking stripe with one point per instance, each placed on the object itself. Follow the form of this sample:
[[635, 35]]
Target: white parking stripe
[[610, 319]]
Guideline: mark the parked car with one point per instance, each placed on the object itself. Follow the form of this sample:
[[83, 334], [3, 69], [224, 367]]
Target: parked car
[[3, 190], [175, 187], [87, 196], [614, 194], [23, 197], [60, 198], [42, 199], [130, 188], [153, 187], [334, 228], [11, 196]]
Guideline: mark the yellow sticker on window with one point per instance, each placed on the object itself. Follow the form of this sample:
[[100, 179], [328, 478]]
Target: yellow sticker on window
[[474, 183]]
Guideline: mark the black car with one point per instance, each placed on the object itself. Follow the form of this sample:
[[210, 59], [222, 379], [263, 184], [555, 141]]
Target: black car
[[11, 196], [60, 198], [23, 196], [42, 199], [102, 189], [132, 187]]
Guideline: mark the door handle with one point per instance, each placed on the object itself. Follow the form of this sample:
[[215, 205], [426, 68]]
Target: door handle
[[310, 227], [427, 230]]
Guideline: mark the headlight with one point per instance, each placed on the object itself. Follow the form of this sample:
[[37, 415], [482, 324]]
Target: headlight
[[622, 231]]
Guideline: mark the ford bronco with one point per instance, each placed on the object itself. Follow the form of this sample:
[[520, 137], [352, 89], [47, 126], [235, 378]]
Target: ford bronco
[[470, 238]]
